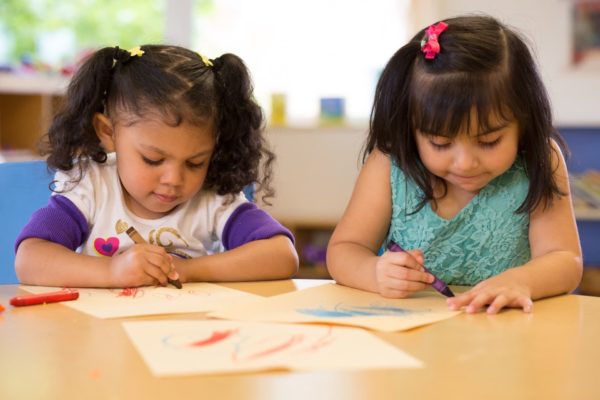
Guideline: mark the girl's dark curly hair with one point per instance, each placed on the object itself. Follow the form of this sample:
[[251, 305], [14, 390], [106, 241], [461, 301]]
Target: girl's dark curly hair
[[484, 71], [180, 85]]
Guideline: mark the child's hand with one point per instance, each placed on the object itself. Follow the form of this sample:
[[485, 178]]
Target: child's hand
[[399, 274], [497, 292], [141, 265]]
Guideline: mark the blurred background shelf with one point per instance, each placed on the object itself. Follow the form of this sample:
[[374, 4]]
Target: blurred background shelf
[[27, 104]]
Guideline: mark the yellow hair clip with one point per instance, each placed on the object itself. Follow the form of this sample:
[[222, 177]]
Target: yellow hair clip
[[136, 51], [206, 60]]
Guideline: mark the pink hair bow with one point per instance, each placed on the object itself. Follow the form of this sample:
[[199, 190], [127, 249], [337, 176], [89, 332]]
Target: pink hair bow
[[430, 45]]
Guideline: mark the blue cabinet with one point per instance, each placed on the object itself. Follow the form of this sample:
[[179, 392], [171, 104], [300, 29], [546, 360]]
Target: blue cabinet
[[584, 145]]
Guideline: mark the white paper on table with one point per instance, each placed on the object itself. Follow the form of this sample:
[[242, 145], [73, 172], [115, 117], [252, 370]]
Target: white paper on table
[[148, 300], [333, 303], [181, 347]]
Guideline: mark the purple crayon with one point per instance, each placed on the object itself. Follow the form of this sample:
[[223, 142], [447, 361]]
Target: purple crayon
[[437, 284]]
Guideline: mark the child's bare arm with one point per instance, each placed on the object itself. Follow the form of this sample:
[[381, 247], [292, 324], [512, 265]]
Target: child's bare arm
[[352, 252], [266, 259], [556, 262], [40, 262]]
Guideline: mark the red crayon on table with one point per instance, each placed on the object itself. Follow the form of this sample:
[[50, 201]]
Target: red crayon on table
[[437, 284], [41, 298]]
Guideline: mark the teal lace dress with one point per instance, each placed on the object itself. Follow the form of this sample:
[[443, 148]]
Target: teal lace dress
[[484, 239]]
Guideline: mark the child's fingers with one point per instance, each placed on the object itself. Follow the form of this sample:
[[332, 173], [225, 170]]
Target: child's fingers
[[417, 255], [470, 300], [157, 274], [497, 304], [406, 274], [399, 274], [160, 267], [173, 274], [501, 301], [403, 259], [527, 305], [479, 301], [522, 302], [401, 289], [459, 301], [475, 302], [162, 261]]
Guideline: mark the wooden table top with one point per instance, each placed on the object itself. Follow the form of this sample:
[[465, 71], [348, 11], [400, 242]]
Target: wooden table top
[[54, 352]]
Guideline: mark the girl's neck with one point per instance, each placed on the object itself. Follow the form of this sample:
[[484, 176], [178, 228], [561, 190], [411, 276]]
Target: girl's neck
[[448, 205]]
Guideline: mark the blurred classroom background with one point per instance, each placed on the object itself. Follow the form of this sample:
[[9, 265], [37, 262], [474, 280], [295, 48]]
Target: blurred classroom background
[[315, 64]]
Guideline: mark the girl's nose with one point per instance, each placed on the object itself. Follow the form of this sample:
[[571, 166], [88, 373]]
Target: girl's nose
[[172, 175], [465, 159]]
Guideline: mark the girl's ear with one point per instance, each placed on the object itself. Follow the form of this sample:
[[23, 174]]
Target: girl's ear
[[104, 131]]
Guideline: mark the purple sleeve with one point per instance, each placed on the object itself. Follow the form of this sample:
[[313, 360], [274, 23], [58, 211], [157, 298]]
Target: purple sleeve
[[59, 222], [248, 223]]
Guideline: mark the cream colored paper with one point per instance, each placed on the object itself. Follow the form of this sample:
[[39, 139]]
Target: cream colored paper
[[332, 303], [129, 302], [177, 347]]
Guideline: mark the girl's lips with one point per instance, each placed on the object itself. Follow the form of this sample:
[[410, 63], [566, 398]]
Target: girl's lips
[[165, 198], [467, 178]]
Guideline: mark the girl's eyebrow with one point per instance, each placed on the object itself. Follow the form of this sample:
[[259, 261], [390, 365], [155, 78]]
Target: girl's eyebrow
[[164, 153], [493, 129]]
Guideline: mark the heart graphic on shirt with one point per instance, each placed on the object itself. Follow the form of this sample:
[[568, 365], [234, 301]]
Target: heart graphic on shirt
[[106, 247]]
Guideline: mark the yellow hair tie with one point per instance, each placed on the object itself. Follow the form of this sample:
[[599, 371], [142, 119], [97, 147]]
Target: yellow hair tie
[[206, 60], [136, 51]]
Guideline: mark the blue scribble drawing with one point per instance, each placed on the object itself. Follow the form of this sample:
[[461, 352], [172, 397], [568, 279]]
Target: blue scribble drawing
[[341, 310]]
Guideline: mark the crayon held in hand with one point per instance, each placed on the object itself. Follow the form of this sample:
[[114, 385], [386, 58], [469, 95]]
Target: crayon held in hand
[[437, 284], [137, 238]]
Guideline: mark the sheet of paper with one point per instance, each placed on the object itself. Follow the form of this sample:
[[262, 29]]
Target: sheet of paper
[[179, 347], [130, 302], [332, 303]]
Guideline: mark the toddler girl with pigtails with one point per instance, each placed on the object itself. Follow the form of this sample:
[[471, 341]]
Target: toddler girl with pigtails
[[162, 140]]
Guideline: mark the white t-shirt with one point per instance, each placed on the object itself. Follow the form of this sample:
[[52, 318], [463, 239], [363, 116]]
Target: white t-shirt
[[193, 229]]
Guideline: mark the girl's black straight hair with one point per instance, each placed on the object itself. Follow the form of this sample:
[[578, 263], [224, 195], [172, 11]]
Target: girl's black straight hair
[[485, 73]]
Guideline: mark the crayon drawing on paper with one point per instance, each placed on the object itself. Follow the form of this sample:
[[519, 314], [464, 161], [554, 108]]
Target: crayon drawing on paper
[[336, 304], [129, 302], [180, 347]]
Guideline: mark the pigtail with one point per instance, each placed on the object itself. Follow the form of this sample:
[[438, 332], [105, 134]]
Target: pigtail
[[391, 124], [535, 116], [391, 106], [240, 146], [71, 137]]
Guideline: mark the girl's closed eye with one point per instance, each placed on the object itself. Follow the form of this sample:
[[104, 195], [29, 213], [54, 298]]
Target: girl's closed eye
[[490, 143], [195, 165], [152, 162], [440, 142]]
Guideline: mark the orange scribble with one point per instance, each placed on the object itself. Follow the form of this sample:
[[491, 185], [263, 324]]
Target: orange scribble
[[95, 374]]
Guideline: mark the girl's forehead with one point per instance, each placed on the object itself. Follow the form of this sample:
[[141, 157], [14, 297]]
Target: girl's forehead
[[155, 133], [471, 123], [156, 116]]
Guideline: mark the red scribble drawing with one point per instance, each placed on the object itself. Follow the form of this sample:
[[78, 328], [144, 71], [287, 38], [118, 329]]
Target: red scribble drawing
[[243, 346], [131, 292], [320, 342], [164, 295], [277, 348], [215, 337], [199, 293]]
